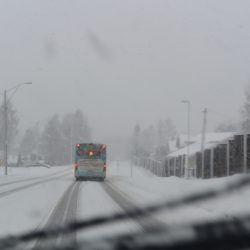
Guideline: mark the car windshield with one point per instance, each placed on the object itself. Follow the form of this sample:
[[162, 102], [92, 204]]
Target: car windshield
[[124, 124]]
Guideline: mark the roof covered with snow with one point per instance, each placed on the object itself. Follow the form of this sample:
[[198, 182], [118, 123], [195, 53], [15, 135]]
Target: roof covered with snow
[[211, 141]]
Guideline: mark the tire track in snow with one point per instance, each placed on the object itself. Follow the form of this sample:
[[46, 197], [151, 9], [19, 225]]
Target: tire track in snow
[[64, 212], [148, 223]]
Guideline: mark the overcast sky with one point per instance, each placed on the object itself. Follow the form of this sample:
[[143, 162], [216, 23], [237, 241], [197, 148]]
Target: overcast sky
[[126, 61]]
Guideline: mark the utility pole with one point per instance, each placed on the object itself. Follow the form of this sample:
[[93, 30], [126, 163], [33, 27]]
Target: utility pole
[[71, 144], [5, 134], [131, 166], [188, 151], [187, 167], [203, 138], [5, 107]]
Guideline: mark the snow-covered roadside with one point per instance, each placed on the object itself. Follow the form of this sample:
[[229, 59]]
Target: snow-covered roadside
[[28, 209], [22, 173], [145, 188]]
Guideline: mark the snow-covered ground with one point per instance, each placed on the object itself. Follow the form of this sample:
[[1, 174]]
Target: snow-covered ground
[[145, 188], [30, 207], [27, 209]]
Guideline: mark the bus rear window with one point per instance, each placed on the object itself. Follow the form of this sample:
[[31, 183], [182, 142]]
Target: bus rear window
[[90, 150]]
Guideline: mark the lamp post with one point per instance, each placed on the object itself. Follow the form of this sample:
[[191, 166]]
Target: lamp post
[[188, 137], [5, 106]]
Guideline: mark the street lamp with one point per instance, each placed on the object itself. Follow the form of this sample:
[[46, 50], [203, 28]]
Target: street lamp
[[5, 106], [188, 140]]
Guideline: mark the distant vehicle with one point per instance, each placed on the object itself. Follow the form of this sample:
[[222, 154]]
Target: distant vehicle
[[90, 161], [37, 164]]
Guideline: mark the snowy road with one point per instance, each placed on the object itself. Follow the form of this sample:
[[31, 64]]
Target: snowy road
[[126, 203], [64, 212], [40, 198]]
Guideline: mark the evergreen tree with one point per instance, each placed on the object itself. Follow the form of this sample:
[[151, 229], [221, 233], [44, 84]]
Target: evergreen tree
[[74, 129], [147, 141], [30, 141], [67, 137], [178, 142], [136, 141], [169, 129], [166, 131], [52, 141], [80, 129], [59, 137], [161, 133], [226, 127]]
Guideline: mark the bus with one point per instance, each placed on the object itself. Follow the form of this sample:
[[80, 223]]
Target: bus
[[90, 161]]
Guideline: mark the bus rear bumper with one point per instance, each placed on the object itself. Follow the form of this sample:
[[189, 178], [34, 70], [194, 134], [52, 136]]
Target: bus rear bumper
[[90, 175]]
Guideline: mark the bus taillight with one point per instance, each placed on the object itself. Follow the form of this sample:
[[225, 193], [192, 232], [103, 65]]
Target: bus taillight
[[76, 166]]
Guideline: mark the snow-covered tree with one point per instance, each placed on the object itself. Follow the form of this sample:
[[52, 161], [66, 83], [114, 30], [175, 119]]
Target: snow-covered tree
[[74, 129], [154, 142], [170, 129], [147, 141], [52, 141], [67, 133], [226, 127], [81, 131], [161, 133], [56, 142], [136, 140], [166, 131], [30, 141], [178, 142]]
